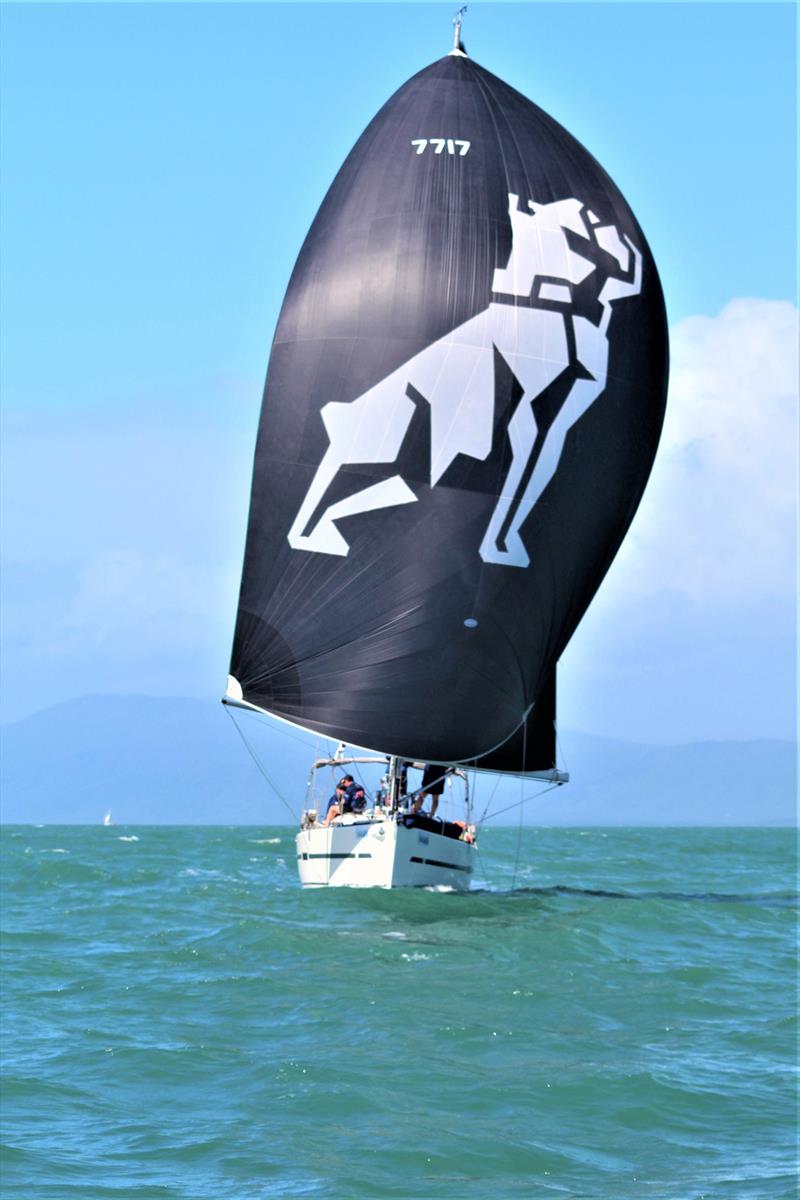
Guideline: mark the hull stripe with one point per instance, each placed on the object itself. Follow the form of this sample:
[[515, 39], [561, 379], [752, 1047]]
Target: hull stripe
[[434, 862], [351, 854]]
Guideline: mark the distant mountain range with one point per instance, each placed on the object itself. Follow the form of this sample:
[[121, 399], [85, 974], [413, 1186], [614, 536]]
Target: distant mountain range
[[181, 761]]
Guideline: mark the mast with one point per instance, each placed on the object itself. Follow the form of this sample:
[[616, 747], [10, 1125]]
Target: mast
[[398, 769], [392, 783], [458, 46]]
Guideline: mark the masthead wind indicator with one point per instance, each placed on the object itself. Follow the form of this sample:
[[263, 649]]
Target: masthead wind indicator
[[458, 45]]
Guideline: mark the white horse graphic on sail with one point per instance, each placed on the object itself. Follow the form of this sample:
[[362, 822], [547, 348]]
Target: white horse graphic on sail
[[538, 340]]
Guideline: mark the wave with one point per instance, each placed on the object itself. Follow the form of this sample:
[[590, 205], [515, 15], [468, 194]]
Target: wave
[[780, 899]]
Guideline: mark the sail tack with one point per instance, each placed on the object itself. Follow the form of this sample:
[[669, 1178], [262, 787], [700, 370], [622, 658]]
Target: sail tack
[[464, 397]]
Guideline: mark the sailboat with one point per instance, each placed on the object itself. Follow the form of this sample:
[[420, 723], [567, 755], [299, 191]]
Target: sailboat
[[107, 819], [463, 402]]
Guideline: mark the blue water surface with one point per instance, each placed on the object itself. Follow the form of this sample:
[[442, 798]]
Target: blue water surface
[[610, 1013]]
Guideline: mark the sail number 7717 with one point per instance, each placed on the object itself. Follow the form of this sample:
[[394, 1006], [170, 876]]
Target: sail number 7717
[[438, 145]]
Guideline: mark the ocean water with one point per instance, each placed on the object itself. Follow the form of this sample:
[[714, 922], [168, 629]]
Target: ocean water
[[611, 1013]]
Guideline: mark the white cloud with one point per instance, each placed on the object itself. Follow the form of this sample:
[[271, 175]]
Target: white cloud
[[717, 523], [692, 634]]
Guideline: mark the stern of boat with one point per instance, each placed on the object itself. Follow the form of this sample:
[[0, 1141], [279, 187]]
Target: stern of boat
[[385, 851]]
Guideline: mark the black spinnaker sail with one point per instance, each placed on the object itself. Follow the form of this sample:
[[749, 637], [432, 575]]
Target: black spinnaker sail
[[464, 397]]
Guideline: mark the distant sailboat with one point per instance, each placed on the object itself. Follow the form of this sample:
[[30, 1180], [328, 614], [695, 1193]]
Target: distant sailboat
[[107, 818], [464, 398]]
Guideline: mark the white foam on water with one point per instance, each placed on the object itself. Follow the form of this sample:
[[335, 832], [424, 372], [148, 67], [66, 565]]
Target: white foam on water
[[416, 957], [265, 841], [395, 933], [131, 838], [56, 850]]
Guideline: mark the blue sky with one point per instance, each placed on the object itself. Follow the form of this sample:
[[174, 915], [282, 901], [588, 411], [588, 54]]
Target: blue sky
[[160, 167]]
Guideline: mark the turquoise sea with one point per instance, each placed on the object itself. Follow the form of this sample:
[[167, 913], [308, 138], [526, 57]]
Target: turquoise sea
[[611, 1013]]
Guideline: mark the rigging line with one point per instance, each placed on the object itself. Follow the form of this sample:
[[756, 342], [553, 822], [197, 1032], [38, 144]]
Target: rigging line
[[279, 727], [489, 801], [361, 780], [519, 845], [525, 799], [521, 803], [258, 763], [483, 868], [473, 784]]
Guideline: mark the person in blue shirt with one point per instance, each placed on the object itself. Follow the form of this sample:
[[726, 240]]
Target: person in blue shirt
[[336, 801], [349, 797], [355, 798]]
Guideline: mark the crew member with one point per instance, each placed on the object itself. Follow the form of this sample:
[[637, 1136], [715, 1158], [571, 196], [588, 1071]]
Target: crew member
[[349, 797], [432, 785]]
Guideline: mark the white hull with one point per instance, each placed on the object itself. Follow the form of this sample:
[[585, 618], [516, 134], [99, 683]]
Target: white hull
[[379, 851]]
